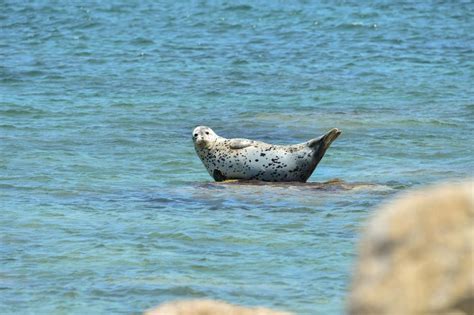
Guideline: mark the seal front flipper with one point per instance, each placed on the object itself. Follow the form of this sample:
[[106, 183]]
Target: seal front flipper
[[218, 176], [236, 144]]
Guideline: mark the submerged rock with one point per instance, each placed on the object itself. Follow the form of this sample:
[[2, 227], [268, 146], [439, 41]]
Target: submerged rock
[[416, 256], [209, 307]]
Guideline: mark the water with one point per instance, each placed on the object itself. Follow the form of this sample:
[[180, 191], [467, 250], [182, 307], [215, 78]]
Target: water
[[105, 208]]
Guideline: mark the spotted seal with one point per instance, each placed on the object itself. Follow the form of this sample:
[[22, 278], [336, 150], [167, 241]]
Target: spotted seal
[[254, 160]]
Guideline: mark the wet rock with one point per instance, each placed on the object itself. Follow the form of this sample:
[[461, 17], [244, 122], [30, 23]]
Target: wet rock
[[330, 185], [209, 307], [417, 255]]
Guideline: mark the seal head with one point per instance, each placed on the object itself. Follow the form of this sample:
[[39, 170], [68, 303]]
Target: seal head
[[204, 137]]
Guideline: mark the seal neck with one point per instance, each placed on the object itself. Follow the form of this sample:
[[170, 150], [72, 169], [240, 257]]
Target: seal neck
[[210, 145]]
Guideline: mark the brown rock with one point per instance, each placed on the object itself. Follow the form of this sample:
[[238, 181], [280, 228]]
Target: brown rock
[[208, 307], [416, 256]]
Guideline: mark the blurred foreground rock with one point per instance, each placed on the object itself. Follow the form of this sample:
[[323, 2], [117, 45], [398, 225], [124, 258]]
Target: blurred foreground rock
[[416, 256], [208, 307]]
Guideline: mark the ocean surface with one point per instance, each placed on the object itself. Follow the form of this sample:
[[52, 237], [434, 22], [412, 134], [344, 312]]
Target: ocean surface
[[106, 209]]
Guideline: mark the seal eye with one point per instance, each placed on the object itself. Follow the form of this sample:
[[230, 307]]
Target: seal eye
[[207, 132], [195, 135]]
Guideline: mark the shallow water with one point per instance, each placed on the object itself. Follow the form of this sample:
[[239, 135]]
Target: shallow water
[[107, 209]]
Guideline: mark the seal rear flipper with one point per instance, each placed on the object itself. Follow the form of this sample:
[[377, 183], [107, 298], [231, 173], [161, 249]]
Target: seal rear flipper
[[325, 140], [319, 147]]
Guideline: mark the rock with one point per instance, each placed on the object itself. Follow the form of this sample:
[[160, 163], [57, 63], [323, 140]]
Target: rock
[[208, 307], [417, 255]]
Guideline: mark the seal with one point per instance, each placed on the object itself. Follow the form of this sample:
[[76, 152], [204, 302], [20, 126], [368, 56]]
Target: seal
[[246, 159]]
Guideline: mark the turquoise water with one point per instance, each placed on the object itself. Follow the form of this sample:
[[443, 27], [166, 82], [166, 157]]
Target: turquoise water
[[105, 208]]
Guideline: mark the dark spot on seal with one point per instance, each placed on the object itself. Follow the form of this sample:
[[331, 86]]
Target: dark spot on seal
[[262, 154], [218, 176]]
